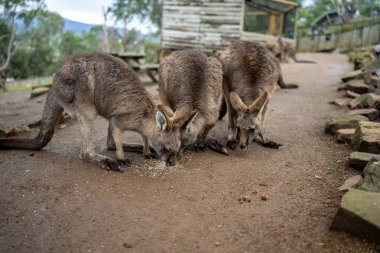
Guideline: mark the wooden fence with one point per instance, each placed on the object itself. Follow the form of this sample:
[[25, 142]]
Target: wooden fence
[[363, 35]]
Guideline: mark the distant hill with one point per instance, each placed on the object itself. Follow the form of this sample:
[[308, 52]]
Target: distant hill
[[76, 27]]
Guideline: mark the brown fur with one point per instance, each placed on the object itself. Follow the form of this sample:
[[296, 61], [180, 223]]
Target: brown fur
[[251, 73], [94, 84], [189, 76]]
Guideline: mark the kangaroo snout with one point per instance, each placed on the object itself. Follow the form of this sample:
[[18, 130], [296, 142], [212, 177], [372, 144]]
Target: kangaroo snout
[[171, 160]]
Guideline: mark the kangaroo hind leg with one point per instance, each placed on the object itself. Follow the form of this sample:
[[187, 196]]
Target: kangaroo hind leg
[[86, 119]]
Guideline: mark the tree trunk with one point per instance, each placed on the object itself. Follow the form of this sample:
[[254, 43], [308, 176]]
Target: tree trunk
[[10, 45], [106, 47]]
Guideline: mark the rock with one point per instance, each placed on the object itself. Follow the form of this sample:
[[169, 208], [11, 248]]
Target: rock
[[263, 197], [371, 113], [341, 101], [373, 66], [371, 177], [354, 75], [359, 160], [358, 215], [345, 135], [359, 87], [5, 130], [337, 122], [367, 137], [375, 81], [343, 86], [365, 101], [39, 91], [352, 94], [352, 182]]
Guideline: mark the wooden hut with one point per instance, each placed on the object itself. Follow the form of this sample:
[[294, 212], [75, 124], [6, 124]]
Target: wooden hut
[[210, 24]]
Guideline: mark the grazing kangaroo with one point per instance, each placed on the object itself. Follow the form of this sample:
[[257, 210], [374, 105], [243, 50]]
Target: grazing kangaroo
[[94, 84], [190, 76], [251, 73], [287, 50]]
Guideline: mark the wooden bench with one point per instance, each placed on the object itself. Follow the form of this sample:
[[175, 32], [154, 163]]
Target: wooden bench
[[133, 59], [151, 70]]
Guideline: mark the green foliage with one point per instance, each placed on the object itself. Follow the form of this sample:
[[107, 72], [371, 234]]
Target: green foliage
[[151, 49], [368, 7], [75, 44]]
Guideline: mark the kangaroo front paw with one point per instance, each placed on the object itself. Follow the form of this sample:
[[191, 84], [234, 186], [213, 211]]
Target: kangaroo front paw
[[232, 144], [272, 144]]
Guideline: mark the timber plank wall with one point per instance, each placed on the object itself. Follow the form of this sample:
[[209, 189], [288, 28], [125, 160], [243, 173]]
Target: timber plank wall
[[203, 24]]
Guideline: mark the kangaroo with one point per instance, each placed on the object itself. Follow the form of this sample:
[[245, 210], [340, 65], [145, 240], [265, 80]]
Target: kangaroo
[[94, 84], [287, 50], [190, 76], [251, 73]]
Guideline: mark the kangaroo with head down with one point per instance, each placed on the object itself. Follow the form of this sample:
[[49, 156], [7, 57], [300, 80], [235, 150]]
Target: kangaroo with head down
[[94, 84], [288, 50], [251, 73], [189, 76]]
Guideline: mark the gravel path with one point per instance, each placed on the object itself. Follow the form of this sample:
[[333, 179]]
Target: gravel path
[[52, 201]]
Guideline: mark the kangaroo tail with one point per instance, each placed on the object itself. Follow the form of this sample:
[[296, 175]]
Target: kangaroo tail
[[301, 61], [281, 83], [50, 117]]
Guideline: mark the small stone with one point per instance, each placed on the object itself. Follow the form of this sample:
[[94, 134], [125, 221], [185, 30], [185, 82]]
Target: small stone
[[358, 214], [359, 87], [217, 243], [352, 182], [371, 113], [263, 197], [359, 160], [354, 75], [341, 101], [345, 135], [127, 245], [352, 94], [31, 154], [365, 101], [337, 122], [375, 81], [367, 137], [343, 86], [371, 177]]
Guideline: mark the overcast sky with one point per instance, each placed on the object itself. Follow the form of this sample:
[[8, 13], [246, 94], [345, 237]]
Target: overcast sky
[[90, 12]]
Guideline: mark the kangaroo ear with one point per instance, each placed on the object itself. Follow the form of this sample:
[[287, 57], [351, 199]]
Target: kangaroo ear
[[166, 110], [236, 102], [161, 121], [192, 117], [182, 114], [259, 103]]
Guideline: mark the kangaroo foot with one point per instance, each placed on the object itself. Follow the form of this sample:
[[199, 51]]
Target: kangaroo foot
[[214, 145], [200, 147], [232, 144], [152, 155], [271, 144], [115, 165]]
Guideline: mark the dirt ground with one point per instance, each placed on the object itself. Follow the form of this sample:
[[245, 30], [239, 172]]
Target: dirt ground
[[52, 201]]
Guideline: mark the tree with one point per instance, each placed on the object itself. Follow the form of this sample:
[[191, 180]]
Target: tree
[[124, 11], [11, 12]]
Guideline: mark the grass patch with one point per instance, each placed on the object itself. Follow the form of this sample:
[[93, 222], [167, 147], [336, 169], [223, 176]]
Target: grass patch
[[17, 88]]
